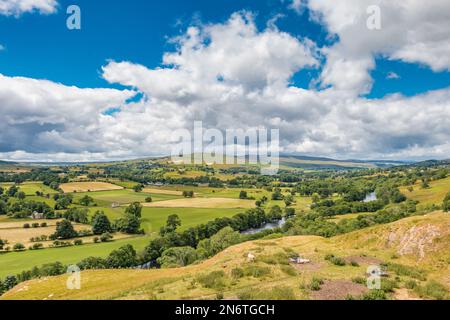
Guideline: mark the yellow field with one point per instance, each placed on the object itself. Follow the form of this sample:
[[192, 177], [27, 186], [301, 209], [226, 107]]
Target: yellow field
[[435, 194], [203, 203], [18, 234], [88, 186], [367, 247]]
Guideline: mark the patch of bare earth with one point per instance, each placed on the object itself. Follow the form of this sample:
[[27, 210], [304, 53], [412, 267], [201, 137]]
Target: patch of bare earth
[[339, 290], [403, 294]]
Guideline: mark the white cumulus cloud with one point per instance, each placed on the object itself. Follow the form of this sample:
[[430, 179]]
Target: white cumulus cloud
[[18, 7]]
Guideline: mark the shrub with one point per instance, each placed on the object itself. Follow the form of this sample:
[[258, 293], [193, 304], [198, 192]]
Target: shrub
[[237, 273], [335, 260], [35, 225], [256, 271], [219, 296], [124, 257], [212, 280], [26, 226], [43, 224], [375, 295], [52, 269], [432, 289], [18, 247], [78, 242], [316, 284], [106, 237], [92, 263], [359, 280], [37, 246], [388, 285], [412, 272], [96, 239]]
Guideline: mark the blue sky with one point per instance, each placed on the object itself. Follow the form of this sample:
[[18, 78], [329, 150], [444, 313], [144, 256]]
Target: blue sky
[[311, 68], [44, 48]]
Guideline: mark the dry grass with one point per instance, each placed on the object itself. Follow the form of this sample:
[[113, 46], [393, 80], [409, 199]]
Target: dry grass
[[181, 283], [88, 186], [435, 194], [22, 235], [216, 203]]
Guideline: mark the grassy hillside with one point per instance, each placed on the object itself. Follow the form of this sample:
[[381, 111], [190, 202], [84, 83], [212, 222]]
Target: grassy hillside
[[417, 250], [435, 194]]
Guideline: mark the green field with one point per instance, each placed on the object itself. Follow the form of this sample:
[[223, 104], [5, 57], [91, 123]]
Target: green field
[[15, 262], [30, 188], [435, 194], [106, 198], [154, 218]]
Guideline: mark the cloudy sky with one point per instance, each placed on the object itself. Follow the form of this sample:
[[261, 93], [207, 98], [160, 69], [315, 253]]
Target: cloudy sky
[[138, 70]]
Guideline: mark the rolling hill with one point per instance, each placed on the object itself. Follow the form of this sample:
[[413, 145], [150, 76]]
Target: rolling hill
[[415, 250]]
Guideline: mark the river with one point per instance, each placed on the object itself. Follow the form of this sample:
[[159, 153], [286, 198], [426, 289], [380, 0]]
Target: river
[[267, 226], [370, 197]]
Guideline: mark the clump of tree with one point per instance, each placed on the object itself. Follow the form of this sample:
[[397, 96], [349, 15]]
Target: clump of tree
[[77, 215], [172, 223], [86, 201], [100, 223], [131, 222], [64, 230], [188, 194], [277, 194], [63, 201]]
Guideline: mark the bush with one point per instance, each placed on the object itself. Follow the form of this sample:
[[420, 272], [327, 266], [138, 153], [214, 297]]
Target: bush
[[52, 269], [212, 280], [35, 225], [43, 224], [106, 237], [124, 257], [359, 280], [237, 273], [96, 239], [432, 289], [256, 271], [26, 226], [78, 242], [335, 260], [388, 285], [412, 272], [37, 246], [315, 284], [375, 295], [18, 247], [92, 263]]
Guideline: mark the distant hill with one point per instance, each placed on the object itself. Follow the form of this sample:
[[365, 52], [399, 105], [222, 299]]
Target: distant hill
[[306, 162]]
